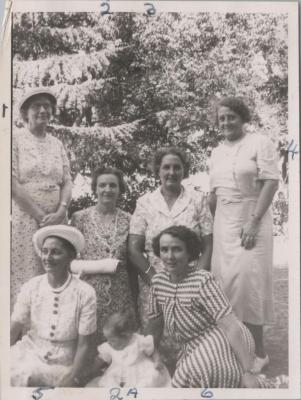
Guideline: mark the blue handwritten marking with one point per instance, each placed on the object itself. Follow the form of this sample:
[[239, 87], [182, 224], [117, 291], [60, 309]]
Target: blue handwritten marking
[[292, 150], [207, 394], [106, 5], [132, 391], [38, 393], [114, 392], [150, 11]]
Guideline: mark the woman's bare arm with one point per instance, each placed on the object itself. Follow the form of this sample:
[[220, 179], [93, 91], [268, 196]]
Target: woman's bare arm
[[136, 247], [15, 331], [250, 229]]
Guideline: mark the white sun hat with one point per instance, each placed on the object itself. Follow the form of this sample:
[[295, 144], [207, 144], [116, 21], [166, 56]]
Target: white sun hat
[[69, 233], [35, 92]]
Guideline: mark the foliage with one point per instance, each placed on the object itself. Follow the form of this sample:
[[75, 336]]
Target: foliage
[[128, 84], [280, 214]]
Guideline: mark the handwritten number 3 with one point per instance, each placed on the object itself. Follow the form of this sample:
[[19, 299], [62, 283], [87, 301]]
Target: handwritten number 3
[[107, 8], [150, 11]]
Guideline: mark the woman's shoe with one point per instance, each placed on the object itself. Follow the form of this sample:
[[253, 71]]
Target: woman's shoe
[[259, 364]]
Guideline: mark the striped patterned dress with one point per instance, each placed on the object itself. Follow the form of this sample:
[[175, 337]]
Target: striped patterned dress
[[191, 310]]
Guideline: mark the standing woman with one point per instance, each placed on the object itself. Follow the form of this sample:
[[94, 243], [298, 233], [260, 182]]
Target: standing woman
[[105, 228], [244, 179], [41, 184], [170, 204]]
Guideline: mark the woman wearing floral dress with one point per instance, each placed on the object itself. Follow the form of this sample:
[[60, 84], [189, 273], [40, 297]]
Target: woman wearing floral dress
[[105, 228], [41, 184]]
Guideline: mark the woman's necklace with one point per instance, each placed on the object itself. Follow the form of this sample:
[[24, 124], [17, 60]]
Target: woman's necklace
[[106, 237], [63, 286]]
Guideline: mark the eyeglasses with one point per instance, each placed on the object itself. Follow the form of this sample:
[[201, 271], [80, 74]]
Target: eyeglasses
[[36, 106]]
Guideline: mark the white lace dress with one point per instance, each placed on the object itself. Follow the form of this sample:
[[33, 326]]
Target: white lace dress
[[132, 366]]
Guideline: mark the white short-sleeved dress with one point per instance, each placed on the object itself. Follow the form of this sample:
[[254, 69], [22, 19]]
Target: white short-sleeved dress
[[237, 173], [131, 366], [55, 317], [152, 215]]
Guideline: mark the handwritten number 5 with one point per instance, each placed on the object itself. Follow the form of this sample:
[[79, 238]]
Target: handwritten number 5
[[150, 11], [206, 394], [38, 393], [106, 5]]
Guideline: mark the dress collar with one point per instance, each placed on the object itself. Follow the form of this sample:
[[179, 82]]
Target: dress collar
[[159, 203], [61, 288]]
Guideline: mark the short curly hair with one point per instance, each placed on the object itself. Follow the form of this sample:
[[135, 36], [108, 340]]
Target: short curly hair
[[159, 154], [237, 105], [102, 170], [186, 235]]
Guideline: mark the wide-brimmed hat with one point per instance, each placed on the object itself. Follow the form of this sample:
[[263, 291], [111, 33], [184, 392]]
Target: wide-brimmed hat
[[69, 233], [27, 98]]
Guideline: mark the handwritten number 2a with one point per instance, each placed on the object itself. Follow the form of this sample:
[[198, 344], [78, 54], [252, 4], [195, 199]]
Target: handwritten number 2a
[[106, 6], [150, 9], [206, 394]]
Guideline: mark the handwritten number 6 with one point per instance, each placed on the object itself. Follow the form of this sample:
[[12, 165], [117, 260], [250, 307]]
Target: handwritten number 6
[[150, 11], [206, 394], [107, 10]]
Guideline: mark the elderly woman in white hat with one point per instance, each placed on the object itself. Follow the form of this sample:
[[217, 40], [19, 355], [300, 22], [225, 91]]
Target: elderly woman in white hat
[[60, 312], [41, 183]]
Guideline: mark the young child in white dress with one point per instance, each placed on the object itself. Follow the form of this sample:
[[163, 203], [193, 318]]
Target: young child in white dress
[[130, 358]]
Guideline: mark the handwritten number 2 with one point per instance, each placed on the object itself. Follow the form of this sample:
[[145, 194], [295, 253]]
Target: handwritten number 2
[[206, 394], [151, 10], [106, 5], [114, 392]]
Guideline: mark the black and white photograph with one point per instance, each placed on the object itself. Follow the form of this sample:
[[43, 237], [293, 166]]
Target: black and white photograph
[[153, 188]]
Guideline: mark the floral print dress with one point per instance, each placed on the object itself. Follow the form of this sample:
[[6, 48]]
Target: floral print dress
[[41, 166], [112, 290]]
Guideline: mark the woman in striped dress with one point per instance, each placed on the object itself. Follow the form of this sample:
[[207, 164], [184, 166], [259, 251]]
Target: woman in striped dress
[[217, 350]]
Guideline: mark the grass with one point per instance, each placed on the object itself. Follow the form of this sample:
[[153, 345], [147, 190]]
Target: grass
[[276, 335]]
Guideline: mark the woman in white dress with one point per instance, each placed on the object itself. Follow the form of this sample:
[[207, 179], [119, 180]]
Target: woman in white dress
[[244, 179], [60, 311]]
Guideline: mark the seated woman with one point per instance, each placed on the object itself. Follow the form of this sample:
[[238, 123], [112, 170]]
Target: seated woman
[[217, 350], [60, 311]]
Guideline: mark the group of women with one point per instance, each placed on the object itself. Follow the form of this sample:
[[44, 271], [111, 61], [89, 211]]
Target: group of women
[[211, 320]]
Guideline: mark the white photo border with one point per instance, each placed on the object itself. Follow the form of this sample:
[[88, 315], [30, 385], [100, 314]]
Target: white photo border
[[291, 8]]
